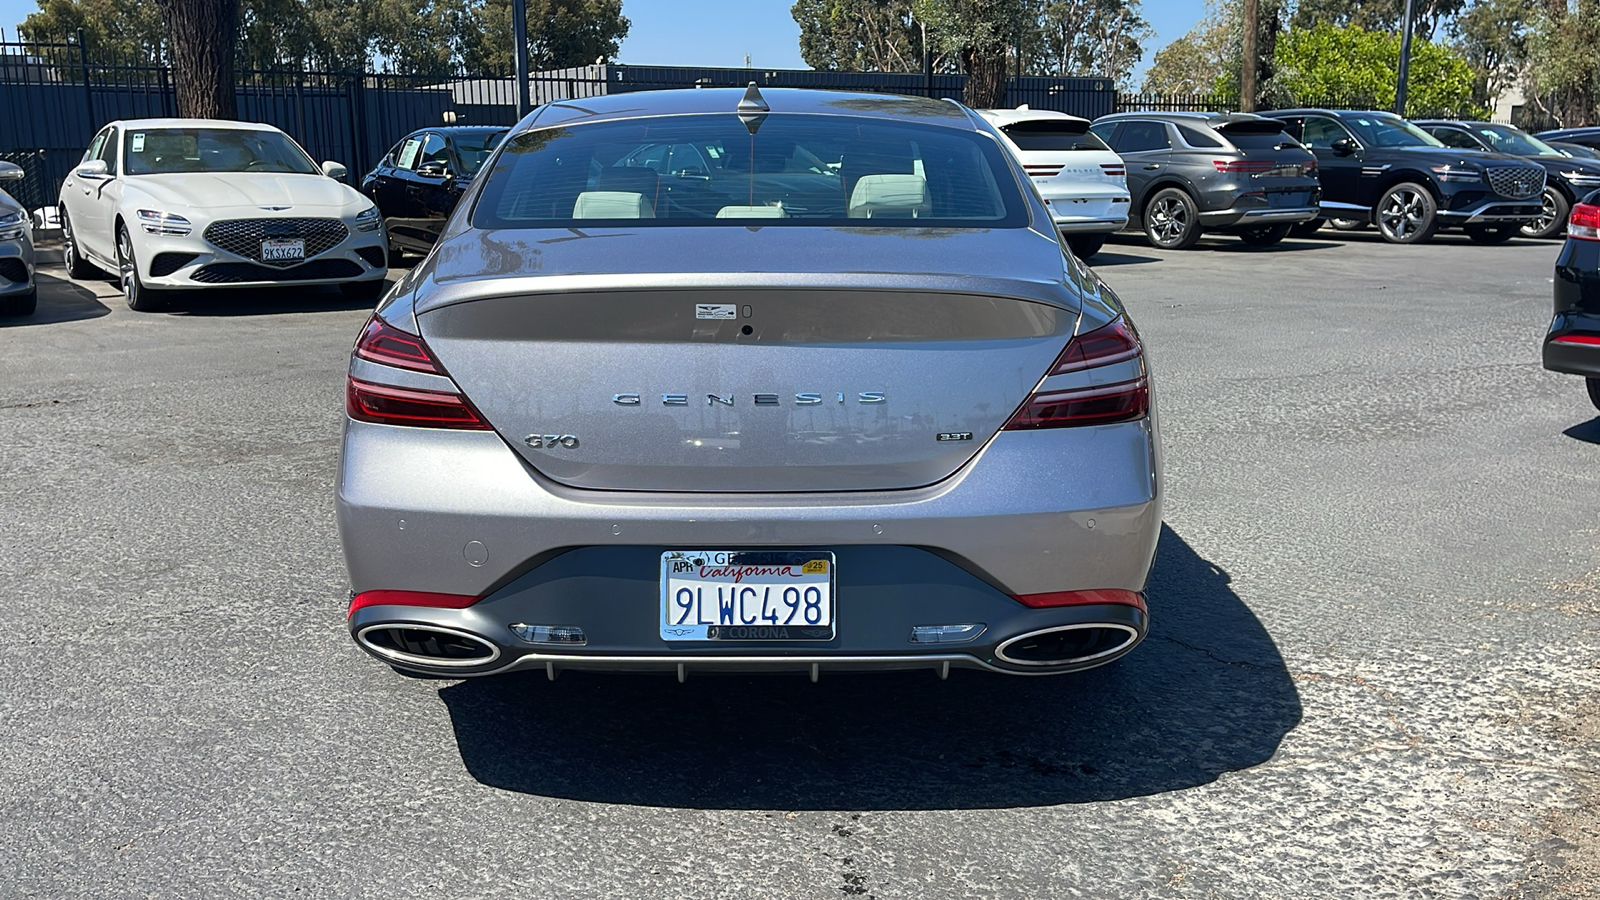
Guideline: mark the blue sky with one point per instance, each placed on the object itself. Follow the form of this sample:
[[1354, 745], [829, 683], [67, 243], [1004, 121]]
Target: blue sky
[[721, 32]]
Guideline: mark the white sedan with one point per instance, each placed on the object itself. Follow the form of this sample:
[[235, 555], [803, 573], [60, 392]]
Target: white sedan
[[185, 204], [1082, 181]]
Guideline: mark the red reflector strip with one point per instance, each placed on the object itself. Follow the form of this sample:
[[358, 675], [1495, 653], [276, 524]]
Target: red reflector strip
[[1592, 339], [1083, 598], [385, 404], [410, 598], [1106, 405]]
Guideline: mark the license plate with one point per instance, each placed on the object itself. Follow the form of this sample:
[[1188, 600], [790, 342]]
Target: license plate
[[278, 251], [747, 595]]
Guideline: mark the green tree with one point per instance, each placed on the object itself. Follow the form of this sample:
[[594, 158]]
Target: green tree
[[1492, 36], [561, 33], [979, 33], [1197, 62], [130, 29], [1375, 15], [1101, 38], [859, 35], [1563, 61], [1331, 62]]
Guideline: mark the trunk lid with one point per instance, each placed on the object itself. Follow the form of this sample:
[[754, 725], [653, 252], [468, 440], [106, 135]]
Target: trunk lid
[[1270, 161]]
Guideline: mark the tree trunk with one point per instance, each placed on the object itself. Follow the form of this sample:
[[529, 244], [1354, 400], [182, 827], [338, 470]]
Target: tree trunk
[[986, 77], [201, 35]]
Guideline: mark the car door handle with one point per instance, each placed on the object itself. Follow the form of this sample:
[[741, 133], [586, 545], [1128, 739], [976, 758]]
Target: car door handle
[[1153, 166]]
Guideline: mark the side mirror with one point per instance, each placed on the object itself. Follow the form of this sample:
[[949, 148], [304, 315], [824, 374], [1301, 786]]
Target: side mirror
[[94, 168], [433, 170], [1344, 147], [334, 170], [11, 172]]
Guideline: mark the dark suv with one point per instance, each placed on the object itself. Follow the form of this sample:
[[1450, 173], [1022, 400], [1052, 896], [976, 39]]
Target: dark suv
[[1566, 178], [1193, 172], [1380, 169]]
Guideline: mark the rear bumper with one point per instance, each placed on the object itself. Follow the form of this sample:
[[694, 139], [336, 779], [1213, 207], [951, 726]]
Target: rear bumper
[[1088, 215], [1224, 218], [459, 513], [1573, 358]]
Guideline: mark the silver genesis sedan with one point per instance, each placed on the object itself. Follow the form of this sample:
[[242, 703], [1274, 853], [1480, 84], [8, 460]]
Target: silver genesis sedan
[[716, 380]]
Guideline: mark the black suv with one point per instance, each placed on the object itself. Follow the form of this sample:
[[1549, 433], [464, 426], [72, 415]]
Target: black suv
[[1566, 178], [1188, 172], [1376, 167]]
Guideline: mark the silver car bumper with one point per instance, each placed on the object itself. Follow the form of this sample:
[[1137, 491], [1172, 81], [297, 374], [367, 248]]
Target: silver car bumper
[[457, 512]]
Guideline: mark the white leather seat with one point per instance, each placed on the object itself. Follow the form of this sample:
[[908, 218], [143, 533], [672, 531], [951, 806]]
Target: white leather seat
[[890, 196], [612, 205], [752, 212]]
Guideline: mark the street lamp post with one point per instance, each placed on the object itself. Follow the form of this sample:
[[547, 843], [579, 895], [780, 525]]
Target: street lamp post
[[519, 35]]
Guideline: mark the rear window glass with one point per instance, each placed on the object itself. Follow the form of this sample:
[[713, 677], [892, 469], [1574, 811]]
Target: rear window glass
[[1053, 135], [796, 169], [1194, 137], [1259, 141]]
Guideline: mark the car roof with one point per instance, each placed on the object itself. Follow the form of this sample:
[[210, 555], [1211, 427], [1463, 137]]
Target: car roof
[[459, 129], [701, 101], [1211, 119], [193, 123], [1024, 114], [1276, 113]]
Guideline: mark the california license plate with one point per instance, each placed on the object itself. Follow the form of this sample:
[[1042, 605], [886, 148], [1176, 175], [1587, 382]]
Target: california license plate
[[280, 251], [747, 595]]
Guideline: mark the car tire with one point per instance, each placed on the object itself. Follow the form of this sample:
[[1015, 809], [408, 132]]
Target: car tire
[[363, 290], [1171, 220], [139, 297], [1306, 229], [20, 304], [1594, 391], [1492, 234], [1407, 214], [1265, 236], [78, 268], [1349, 224], [1552, 219], [1086, 245]]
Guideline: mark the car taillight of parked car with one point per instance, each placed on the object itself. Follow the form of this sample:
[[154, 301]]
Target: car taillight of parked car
[[1585, 223], [1100, 404], [1118, 170], [369, 400], [1246, 166]]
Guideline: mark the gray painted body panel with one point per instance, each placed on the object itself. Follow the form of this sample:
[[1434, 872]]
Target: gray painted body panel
[[410, 500]]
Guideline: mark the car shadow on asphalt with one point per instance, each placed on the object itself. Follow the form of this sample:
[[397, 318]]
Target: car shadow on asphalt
[[1287, 245], [1105, 259], [59, 301], [267, 301], [1205, 694], [1588, 432]]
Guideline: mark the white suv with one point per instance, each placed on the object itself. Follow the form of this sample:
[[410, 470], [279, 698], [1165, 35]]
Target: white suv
[[1082, 181]]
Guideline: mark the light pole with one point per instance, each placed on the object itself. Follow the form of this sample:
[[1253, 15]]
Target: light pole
[[519, 35], [1405, 62]]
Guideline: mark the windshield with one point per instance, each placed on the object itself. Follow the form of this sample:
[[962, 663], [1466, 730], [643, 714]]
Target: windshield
[[794, 169], [474, 148], [1052, 134], [158, 151], [1513, 141], [1390, 131]]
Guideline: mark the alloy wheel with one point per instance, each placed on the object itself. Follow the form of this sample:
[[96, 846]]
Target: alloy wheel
[[1404, 213], [125, 264], [1169, 219]]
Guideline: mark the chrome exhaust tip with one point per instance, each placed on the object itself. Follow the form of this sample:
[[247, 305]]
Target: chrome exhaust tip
[[1087, 643], [430, 646]]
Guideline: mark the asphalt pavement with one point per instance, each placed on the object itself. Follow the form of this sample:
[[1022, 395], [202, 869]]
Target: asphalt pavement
[[1373, 670]]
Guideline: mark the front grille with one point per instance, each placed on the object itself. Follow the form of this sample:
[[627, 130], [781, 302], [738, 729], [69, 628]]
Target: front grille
[[1516, 182], [167, 263], [238, 273], [13, 270], [243, 237]]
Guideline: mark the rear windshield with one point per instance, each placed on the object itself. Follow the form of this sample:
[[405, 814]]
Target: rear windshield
[[1258, 141], [474, 148], [796, 169], [1045, 134]]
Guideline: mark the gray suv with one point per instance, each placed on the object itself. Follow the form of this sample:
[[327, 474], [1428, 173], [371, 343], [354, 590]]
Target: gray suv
[[1235, 173]]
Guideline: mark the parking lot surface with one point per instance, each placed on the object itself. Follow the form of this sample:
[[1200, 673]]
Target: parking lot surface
[[1373, 669]]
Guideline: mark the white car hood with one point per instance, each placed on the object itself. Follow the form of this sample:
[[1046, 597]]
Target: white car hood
[[220, 191]]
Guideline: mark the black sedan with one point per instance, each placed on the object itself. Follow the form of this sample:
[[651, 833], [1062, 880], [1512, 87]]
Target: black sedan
[[1566, 178], [417, 183], [1573, 342]]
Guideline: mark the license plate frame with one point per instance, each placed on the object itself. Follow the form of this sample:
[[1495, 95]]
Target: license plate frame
[[751, 605], [283, 250]]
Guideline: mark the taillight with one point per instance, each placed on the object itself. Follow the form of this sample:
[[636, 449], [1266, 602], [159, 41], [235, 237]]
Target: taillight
[[1119, 170], [1585, 223], [389, 404], [386, 404], [1592, 340], [1235, 166], [387, 345], [409, 598], [1101, 404]]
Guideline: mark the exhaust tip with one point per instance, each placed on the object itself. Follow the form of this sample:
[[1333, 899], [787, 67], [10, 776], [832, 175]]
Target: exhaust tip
[[410, 644], [1069, 645]]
